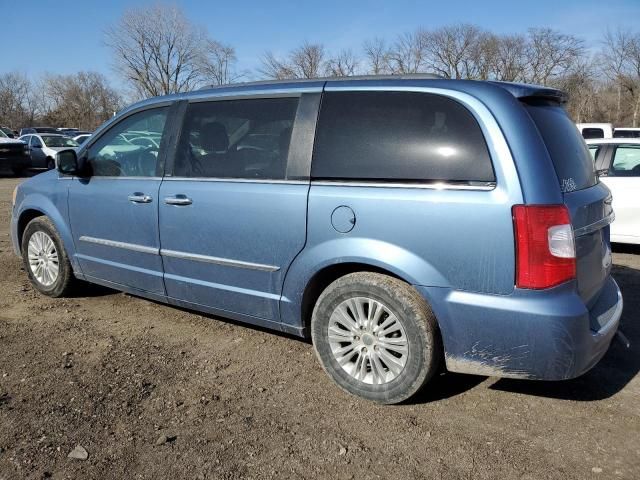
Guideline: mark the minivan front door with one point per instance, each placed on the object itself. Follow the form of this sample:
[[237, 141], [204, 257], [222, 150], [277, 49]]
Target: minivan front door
[[232, 218], [114, 211]]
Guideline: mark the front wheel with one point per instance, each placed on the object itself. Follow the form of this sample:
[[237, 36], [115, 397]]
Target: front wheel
[[376, 337], [45, 259], [51, 164]]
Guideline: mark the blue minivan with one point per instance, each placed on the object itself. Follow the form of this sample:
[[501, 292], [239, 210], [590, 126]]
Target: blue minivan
[[404, 224]]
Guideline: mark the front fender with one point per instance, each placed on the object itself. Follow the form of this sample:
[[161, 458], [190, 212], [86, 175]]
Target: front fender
[[55, 207], [376, 253]]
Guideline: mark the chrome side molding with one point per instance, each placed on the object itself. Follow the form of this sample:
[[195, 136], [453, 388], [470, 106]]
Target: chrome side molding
[[182, 255], [218, 261], [127, 246]]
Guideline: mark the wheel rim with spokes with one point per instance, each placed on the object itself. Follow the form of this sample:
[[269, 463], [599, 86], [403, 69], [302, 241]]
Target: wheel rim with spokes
[[368, 340], [43, 258]]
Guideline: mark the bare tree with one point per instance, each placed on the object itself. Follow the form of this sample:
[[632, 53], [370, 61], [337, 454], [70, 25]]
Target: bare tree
[[344, 64], [613, 58], [83, 100], [408, 54], [306, 61], [510, 61], [551, 54], [218, 64], [15, 105], [156, 50], [377, 56], [454, 51]]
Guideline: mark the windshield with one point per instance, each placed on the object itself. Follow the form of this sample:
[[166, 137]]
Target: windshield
[[59, 141]]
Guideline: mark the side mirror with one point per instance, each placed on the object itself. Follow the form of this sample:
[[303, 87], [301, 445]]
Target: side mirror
[[67, 162]]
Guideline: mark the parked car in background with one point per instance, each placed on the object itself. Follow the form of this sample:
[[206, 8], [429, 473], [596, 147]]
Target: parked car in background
[[10, 133], [14, 155], [618, 163], [25, 131], [44, 147], [626, 132], [595, 130], [401, 222], [83, 137], [69, 132]]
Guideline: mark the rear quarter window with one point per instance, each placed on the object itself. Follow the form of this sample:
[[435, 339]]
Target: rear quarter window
[[569, 153], [399, 136]]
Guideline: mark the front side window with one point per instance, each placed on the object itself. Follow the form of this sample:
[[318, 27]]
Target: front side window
[[399, 136], [130, 148], [236, 139], [626, 162], [35, 141]]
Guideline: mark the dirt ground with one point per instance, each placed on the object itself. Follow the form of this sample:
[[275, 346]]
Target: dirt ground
[[150, 391]]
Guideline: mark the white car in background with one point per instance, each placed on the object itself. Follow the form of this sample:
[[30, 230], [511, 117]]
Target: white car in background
[[43, 148], [82, 138], [618, 163], [595, 130]]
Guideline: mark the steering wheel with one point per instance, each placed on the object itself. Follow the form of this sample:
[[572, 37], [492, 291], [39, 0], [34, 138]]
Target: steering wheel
[[144, 142], [147, 161]]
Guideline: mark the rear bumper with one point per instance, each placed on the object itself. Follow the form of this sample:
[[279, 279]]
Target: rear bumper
[[544, 335]]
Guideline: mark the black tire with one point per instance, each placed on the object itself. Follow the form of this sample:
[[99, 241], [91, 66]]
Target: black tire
[[51, 163], [18, 172], [65, 281], [411, 311]]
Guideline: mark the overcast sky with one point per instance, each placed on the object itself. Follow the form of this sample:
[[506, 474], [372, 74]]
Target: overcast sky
[[66, 36]]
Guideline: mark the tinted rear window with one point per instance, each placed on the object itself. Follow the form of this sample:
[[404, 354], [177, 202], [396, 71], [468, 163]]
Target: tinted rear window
[[570, 155], [626, 134], [592, 133], [402, 136]]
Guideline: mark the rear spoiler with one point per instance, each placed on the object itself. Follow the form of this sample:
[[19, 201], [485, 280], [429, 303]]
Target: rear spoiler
[[524, 92]]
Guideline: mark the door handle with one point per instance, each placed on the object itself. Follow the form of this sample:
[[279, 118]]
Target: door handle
[[178, 200], [140, 198]]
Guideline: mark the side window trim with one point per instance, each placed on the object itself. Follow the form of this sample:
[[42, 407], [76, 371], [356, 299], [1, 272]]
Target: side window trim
[[170, 138], [303, 137], [605, 157]]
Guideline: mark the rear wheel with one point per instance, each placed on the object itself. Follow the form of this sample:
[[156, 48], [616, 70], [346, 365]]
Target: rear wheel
[[376, 337], [18, 172], [45, 260]]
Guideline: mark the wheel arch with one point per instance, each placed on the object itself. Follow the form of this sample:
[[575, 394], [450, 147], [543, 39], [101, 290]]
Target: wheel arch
[[318, 265], [38, 205], [23, 220], [325, 277]]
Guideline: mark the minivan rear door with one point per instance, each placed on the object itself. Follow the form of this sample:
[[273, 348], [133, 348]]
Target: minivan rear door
[[588, 200]]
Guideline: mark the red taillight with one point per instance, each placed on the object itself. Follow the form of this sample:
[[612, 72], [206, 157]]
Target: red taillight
[[545, 247]]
